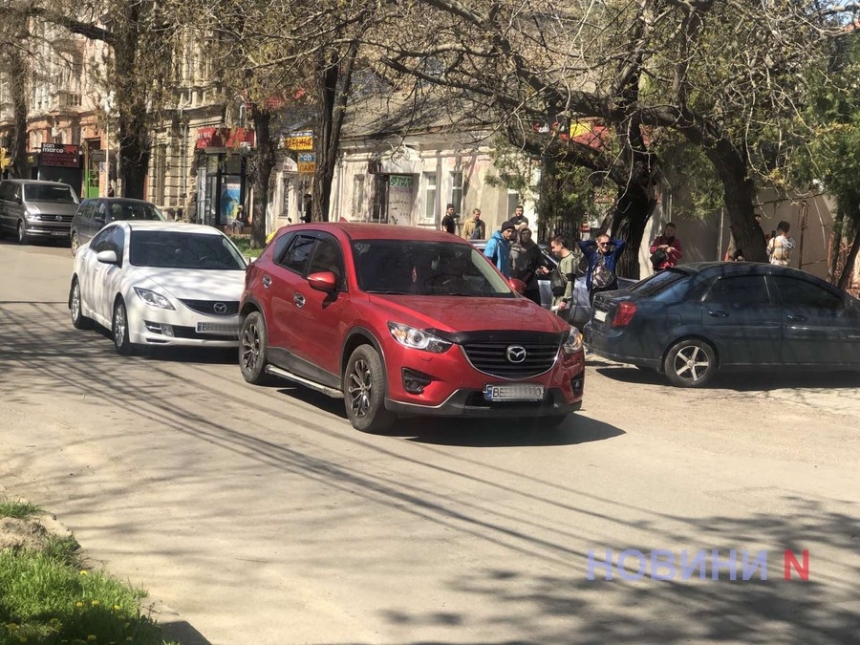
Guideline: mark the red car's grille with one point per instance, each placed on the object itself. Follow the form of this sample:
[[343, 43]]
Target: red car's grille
[[505, 360]]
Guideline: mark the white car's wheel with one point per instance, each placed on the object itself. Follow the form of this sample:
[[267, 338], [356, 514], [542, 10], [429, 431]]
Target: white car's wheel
[[79, 321], [120, 329]]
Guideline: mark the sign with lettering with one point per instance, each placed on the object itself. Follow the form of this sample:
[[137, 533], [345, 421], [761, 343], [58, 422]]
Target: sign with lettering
[[61, 155], [307, 163], [299, 140]]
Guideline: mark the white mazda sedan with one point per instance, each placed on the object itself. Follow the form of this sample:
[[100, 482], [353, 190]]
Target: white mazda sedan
[[159, 283]]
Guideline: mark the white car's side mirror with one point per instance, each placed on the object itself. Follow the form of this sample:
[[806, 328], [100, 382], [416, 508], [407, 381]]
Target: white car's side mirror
[[107, 257]]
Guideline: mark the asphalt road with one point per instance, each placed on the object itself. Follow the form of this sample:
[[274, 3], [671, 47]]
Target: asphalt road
[[262, 517]]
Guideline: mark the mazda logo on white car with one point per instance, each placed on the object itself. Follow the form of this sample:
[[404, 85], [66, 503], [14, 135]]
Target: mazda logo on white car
[[516, 353], [220, 308]]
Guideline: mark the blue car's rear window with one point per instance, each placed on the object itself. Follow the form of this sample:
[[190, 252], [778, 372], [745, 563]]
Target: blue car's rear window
[[659, 282]]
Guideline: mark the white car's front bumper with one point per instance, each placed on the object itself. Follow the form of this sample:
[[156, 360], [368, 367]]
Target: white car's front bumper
[[182, 326]]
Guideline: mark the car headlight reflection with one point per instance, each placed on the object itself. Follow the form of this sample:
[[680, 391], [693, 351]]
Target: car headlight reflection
[[153, 299], [573, 342], [418, 339]]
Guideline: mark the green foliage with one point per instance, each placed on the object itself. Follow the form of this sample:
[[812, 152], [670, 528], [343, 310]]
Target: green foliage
[[831, 153], [697, 192], [48, 601], [567, 193], [20, 510]]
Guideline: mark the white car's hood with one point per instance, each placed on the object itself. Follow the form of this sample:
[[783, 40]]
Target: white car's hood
[[190, 284]]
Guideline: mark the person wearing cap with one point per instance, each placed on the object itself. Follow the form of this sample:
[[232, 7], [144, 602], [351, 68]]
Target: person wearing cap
[[498, 249], [449, 222]]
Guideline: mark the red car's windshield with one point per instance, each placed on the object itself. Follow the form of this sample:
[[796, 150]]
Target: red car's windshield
[[426, 269]]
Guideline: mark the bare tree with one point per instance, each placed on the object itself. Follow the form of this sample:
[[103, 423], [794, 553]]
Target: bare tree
[[728, 76]]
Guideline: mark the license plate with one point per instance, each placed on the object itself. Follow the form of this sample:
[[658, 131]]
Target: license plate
[[60, 233], [216, 328], [600, 316], [514, 392]]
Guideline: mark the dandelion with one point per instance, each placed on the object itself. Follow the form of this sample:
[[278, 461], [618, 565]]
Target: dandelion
[[91, 637], [11, 627], [96, 603], [116, 607], [84, 572], [79, 604]]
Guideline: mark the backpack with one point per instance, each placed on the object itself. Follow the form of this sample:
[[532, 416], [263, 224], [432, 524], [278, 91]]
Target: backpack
[[601, 277]]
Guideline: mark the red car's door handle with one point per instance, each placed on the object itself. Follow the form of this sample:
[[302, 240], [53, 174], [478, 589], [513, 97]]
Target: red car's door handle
[[299, 299], [267, 282]]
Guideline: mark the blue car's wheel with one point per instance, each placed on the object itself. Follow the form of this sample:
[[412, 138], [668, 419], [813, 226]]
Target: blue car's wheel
[[690, 363]]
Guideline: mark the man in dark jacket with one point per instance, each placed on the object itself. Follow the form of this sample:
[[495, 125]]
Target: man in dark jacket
[[449, 222], [528, 263]]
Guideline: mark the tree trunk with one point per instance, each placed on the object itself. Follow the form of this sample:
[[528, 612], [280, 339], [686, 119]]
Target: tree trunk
[[133, 160], [631, 213], [739, 196], [835, 246], [264, 163], [18, 76], [848, 268], [334, 81]]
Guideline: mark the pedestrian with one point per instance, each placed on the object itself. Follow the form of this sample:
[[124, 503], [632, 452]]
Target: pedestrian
[[666, 249], [602, 255], [498, 249], [449, 222], [528, 263], [738, 256], [779, 247], [307, 207], [519, 220], [563, 276], [475, 228]]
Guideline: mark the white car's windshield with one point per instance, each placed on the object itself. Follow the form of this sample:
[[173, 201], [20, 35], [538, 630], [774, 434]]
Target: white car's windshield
[[426, 269], [183, 250]]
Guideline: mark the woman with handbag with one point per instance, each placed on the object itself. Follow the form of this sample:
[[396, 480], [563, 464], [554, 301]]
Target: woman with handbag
[[528, 264], [666, 249]]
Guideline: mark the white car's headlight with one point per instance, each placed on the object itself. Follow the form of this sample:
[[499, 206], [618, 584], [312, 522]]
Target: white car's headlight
[[418, 338], [573, 342], [153, 299]]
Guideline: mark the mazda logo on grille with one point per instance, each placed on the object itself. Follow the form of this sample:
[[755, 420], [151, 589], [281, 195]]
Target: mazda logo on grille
[[516, 353], [220, 308]]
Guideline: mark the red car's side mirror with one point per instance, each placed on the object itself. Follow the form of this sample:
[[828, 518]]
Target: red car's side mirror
[[517, 285], [323, 281]]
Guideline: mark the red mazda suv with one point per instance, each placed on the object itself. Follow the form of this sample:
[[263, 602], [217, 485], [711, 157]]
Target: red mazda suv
[[404, 321]]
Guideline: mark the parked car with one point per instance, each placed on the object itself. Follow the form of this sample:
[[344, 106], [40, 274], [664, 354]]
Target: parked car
[[159, 283], [33, 209], [94, 214], [581, 306], [690, 321], [403, 321]]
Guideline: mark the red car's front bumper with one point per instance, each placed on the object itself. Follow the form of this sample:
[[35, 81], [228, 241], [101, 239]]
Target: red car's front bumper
[[452, 386]]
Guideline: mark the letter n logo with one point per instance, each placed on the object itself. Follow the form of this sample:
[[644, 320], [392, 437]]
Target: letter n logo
[[791, 562]]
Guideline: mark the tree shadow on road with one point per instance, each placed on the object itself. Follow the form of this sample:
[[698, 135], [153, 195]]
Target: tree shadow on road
[[571, 608]]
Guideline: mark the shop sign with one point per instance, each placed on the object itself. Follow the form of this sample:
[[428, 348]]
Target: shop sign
[[299, 141], [307, 163], [59, 154], [224, 138]]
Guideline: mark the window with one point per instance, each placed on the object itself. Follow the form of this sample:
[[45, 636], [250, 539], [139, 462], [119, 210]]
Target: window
[[430, 196], [281, 245], [358, 197], [738, 292], [180, 250], [800, 293], [116, 242], [327, 257], [87, 210], [50, 193], [160, 172], [380, 198], [457, 191], [297, 257], [513, 202], [99, 242]]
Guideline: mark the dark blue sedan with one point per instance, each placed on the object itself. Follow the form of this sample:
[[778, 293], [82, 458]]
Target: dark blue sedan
[[689, 321]]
